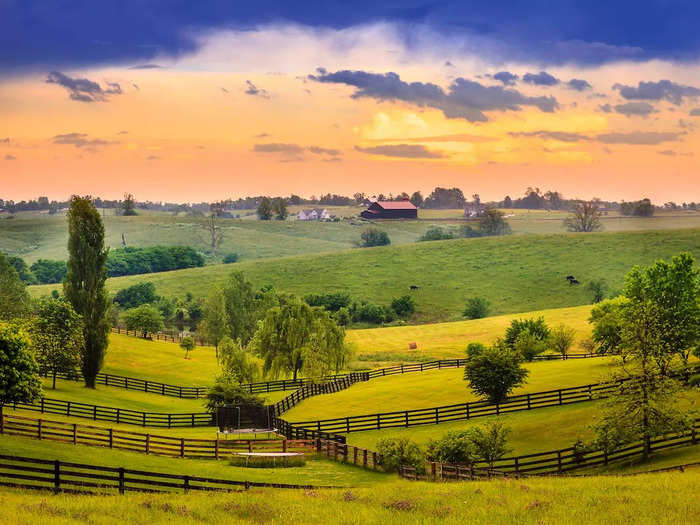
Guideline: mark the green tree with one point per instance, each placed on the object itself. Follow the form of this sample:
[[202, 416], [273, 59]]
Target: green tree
[[215, 318], [326, 351], [228, 392], [23, 271], [397, 452], [128, 205], [374, 237], [283, 335], [265, 209], [561, 339], [236, 363], [146, 319], [493, 222], [57, 337], [136, 295], [84, 286], [404, 306], [537, 327], [455, 447], [241, 307], [606, 320], [19, 373], [477, 308], [495, 372], [585, 217], [528, 345], [597, 288], [187, 344], [417, 199], [279, 205], [490, 443], [48, 271], [436, 233], [14, 299]]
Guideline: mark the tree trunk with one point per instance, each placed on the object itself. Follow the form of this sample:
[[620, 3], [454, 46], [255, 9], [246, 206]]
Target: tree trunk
[[54, 379]]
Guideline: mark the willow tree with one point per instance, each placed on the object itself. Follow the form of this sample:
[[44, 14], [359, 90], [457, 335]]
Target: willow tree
[[84, 285]]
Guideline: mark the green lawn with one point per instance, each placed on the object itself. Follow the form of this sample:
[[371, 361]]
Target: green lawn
[[439, 387], [376, 347], [317, 471], [652, 499], [515, 273]]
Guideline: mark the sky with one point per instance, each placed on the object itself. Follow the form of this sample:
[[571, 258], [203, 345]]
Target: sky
[[191, 101]]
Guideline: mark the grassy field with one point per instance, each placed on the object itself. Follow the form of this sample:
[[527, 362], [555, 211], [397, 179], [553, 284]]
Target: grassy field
[[515, 273], [317, 471], [666, 498], [440, 387], [390, 345]]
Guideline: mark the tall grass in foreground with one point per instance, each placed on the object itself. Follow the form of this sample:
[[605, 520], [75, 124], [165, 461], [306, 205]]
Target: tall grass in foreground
[[653, 498]]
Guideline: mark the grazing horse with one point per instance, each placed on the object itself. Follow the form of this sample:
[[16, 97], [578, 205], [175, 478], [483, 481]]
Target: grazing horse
[[574, 281], [414, 287]]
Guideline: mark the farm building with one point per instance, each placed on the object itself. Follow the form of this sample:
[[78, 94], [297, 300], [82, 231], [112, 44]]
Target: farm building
[[390, 210], [313, 215]]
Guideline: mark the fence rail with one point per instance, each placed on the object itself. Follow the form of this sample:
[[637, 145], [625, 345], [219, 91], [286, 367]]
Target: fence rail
[[280, 385], [146, 443], [117, 415], [556, 461], [63, 476]]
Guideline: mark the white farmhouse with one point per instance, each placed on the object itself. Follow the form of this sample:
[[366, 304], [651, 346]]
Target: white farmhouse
[[313, 215]]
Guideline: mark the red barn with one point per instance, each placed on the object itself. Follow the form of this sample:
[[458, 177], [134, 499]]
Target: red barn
[[390, 210]]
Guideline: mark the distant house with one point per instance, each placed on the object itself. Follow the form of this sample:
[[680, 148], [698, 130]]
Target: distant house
[[313, 215], [390, 210], [474, 209]]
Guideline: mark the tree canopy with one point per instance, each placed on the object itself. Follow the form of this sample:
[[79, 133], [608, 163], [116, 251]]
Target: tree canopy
[[14, 299], [19, 372]]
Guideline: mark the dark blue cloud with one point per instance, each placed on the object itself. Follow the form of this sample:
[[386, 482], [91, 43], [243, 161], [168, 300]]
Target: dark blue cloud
[[464, 98], [578, 84], [540, 79], [82, 89], [635, 109], [52, 34], [661, 90], [253, 90], [506, 78]]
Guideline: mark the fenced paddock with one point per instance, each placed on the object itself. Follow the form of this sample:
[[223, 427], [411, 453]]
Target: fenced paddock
[[63, 476]]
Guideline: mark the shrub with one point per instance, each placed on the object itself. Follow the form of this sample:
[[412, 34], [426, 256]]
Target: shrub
[[597, 288], [495, 372], [331, 301], [395, 452], [133, 261], [227, 392], [454, 447], [369, 313], [146, 319], [694, 380], [465, 230], [403, 306], [374, 237], [48, 271], [537, 327], [477, 308], [436, 233], [493, 222], [342, 317], [23, 271], [475, 349], [230, 258], [490, 442], [136, 295], [529, 345]]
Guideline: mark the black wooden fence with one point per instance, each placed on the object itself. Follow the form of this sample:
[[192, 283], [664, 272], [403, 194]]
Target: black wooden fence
[[116, 415], [556, 461], [64, 476]]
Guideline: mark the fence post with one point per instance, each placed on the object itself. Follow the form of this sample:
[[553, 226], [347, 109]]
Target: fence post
[[364, 458], [467, 406], [517, 468], [148, 443], [528, 401], [186, 484], [379, 423], [347, 424], [433, 470], [590, 393], [111, 438], [121, 480], [42, 405], [38, 429], [118, 416], [559, 461], [374, 460], [56, 476], [354, 455], [182, 447], [560, 396], [437, 416], [216, 449], [75, 434]]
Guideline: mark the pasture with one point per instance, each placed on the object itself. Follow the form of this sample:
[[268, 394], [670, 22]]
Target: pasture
[[515, 273], [664, 499]]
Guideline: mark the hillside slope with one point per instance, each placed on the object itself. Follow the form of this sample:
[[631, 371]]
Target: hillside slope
[[515, 273]]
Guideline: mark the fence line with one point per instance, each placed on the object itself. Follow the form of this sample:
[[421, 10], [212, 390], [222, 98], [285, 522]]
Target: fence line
[[461, 411], [117, 415], [64, 476], [159, 336], [146, 443], [280, 385], [556, 461]]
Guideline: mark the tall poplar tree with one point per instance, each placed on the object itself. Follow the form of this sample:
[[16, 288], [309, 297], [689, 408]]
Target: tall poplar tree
[[84, 285]]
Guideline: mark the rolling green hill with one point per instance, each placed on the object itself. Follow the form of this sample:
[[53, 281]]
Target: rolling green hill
[[515, 273]]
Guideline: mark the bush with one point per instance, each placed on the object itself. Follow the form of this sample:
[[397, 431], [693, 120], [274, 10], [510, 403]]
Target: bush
[[477, 308], [490, 442], [146, 319], [23, 271], [48, 271], [136, 295], [495, 372], [374, 237], [403, 306], [230, 258], [369, 313], [395, 452], [537, 327], [133, 261], [227, 392], [455, 447], [493, 222], [475, 349], [694, 380], [436, 233], [529, 345], [331, 301], [342, 317], [561, 339], [465, 230]]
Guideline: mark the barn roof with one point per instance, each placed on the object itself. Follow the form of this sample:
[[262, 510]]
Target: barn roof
[[396, 205]]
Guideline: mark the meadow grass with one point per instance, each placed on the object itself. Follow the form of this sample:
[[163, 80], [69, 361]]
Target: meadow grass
[[317, 471], [440, 387], [389, 345], [666, 498], [515, 273]]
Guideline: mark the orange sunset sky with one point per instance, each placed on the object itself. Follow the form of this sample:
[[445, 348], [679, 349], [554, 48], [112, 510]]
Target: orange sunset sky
[[242, 115]]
